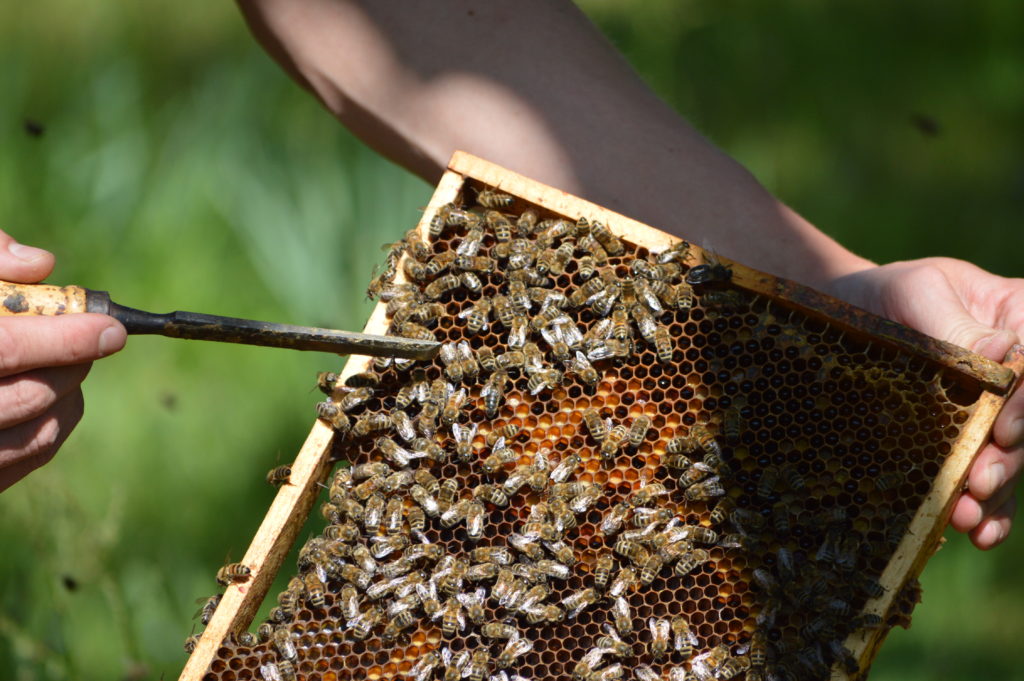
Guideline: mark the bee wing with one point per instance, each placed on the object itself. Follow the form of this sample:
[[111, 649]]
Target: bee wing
[[460, 397], [499, 444], [269, 672], [448, 353], [464, 350]]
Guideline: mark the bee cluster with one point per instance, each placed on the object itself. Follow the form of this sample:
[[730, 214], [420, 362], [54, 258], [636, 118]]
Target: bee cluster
[[619, 467]]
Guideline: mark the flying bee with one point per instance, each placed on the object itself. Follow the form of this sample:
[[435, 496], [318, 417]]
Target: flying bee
[[439, 287], [663, 344], [231, 573], [683, 638], [209, 606], [455, 401], [638, 430], [477, 316], [706, 490], [611, 243], [691, 560], [463, 436], [613, 441], [279, 476], [493, 392], [660, 630], [326, 382]]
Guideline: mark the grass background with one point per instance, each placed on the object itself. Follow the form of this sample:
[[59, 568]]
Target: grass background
[[180, 169]]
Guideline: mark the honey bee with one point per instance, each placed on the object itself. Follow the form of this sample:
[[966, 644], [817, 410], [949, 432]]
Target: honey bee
[[385, 546], [231, 573], [613, 441], [651, 568], [355, 397], [474, 604], [683, 638], [474, 519], [455, 402], [426, 501], [723, 300], [562, 517], [452, 618], [586, 292], [613, 519], [513, 359], [477, 668], [622, 616], [446, 494], [577, 601], [546, 379], [565, 468], [683, 295], [624, 581], [209, 606], [282, 642], [691, 560], [527, 545], [415, 390], [372, 423], [314, 590], [439, 287], [647, 493], [706, 490], [722, 511], [514, 649], [586, 267], [279, 476], [493, 392], [463, 436], [583, 501], [364, 622], [492, 493], [477, 316], [663, 344], [611, 243], [326, 382], [638, 430], [490, 198], [526, 223], [454, 665], [793, 479], [499, 224], [767, 483], [424, 668], [500, 456], [499, 630], [713, 273], [660, 629], [471, 281], [329, 411], [632, 550], [608, 348]]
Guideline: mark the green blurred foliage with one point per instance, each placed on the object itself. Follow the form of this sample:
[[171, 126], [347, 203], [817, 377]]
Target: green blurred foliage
[[180, 169]]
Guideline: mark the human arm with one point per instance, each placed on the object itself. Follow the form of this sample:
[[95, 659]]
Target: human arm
[[533, 86], [43, 361]]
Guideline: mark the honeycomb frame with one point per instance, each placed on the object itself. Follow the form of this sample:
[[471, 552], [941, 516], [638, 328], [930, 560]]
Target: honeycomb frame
[[293, 502]]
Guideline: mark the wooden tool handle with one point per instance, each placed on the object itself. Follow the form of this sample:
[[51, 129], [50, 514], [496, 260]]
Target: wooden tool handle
[[40, 299]]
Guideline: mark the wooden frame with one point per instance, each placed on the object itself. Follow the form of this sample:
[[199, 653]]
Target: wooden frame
[[292, 505]]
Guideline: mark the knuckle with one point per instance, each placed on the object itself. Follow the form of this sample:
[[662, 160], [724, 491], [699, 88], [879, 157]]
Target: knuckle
[[10, 350], [26, 399]]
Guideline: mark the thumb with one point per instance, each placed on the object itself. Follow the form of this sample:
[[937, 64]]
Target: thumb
[[23, 264], [926, 300]]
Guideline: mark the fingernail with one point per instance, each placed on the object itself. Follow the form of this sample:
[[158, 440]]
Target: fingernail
[[25, 253], [111, 340], [996, 476]]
